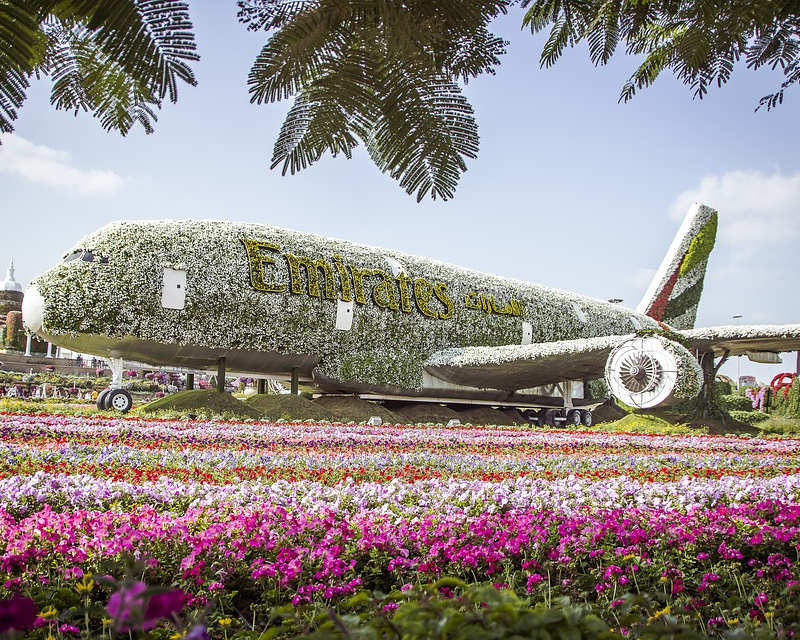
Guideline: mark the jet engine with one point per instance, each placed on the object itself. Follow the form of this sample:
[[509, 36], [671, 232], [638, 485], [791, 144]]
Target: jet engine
[[647, 371]]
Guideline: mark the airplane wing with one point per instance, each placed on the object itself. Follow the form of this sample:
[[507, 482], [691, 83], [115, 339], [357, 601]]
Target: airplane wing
[[512, 367], [738, 340]]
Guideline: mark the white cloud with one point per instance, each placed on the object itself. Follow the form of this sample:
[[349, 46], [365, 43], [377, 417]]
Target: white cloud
[[642, 277], [54, 168], [755, 208]]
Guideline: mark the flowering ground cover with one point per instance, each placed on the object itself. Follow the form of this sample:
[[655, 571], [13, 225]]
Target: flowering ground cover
[[346, 525]]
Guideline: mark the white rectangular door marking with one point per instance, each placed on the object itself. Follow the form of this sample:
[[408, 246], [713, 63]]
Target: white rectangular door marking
[[344, 315], [173, 290]]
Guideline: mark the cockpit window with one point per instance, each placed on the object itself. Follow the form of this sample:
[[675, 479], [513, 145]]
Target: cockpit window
[[86, 256]]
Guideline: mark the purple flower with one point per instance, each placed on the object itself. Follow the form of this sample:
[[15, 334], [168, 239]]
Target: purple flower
[[761, 599], [17, 612], [198, 632]]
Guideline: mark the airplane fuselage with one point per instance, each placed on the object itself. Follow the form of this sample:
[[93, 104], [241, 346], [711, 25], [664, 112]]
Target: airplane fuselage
[[348, 316]]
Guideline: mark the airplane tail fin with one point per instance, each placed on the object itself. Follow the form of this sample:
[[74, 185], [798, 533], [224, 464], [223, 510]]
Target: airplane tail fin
[[674, 293]]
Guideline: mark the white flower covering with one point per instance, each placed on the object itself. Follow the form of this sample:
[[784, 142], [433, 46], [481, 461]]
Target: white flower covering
[[385, 348], [483, 356], [738, 339]]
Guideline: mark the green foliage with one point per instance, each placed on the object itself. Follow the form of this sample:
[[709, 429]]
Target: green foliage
[[748, 417], [384, 74], [788, 405], [701, 246], [644, 423], [597, 388], [723, 387], [203, 402], [730, 402], [664, 333], [117, 59], [447, 609], [699, 41]]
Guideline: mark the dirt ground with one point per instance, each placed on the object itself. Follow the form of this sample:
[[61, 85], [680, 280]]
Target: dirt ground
[[427, 413], [290, 407], [488, 416], [352, 409]]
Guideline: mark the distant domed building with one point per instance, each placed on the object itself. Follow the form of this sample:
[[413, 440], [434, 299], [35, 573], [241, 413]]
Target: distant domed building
[[10, 293]]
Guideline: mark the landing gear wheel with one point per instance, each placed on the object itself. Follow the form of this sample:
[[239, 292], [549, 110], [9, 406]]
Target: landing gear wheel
[[574, 418], [101, 399], [531, 416], [547, 417], [120, 400], [587, 418]]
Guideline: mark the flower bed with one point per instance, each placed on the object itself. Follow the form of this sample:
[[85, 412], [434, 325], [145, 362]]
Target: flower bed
[[241, 518]]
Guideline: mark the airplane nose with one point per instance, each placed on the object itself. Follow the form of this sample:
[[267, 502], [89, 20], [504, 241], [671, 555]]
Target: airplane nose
[[32, 310]]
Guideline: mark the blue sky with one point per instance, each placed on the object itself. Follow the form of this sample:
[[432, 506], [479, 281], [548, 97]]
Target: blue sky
[[570, 189]]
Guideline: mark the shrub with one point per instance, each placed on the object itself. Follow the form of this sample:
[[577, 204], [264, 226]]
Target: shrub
[[730, 402], [789, 405], [15, 336], [749, 417], [723, 388]]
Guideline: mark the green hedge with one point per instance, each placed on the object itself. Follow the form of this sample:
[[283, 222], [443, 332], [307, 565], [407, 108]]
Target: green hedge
[[730, 402], [749, 417]]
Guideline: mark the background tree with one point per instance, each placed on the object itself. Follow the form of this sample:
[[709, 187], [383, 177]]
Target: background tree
[[700, 41], [381, 73], [117, 59]]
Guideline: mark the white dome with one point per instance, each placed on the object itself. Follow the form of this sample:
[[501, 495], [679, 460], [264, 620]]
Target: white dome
[[9, 284]]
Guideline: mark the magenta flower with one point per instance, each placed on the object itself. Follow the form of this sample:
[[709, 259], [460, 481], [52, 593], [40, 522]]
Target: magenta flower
[[17, 612], [126, 604], [69, 628], [130, 610], [761, 599], [163, 605]]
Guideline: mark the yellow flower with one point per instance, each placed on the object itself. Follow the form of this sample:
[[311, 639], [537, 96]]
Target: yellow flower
[[630, 556], [176, 636], [107, 621], [50, 612], [665, 611], [224, 621], [733, 621], [84, 586], [769, 614]]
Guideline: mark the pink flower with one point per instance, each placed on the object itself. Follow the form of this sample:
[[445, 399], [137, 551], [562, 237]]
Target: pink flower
[[390, 606], [761, 599], [533, 579], [130, 610], [68, 628]]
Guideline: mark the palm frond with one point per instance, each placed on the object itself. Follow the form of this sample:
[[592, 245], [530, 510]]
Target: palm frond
[[86, 79], [151, 40], [378, 71], [19, 46]]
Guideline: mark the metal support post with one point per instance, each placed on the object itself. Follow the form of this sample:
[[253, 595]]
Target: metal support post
[[262, 385], [295, 381], [117, 365], [49, 350], [189, 381], [30, 338], [221, 375]]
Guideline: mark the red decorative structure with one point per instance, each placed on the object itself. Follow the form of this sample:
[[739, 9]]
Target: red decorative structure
[[783, 381]]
